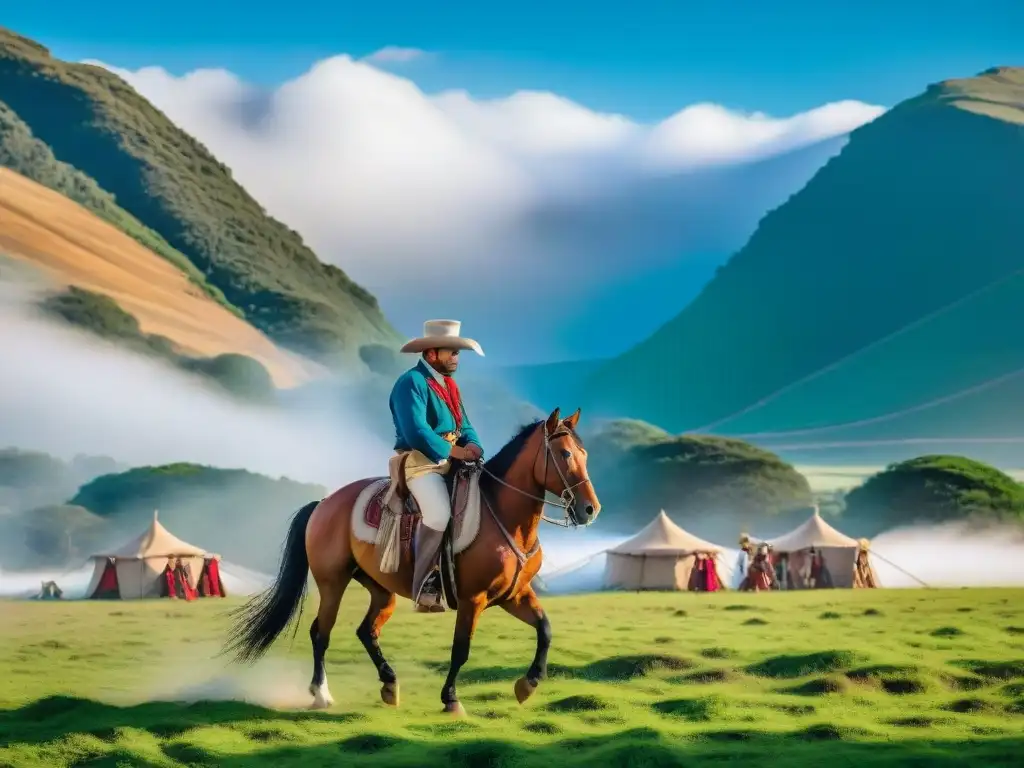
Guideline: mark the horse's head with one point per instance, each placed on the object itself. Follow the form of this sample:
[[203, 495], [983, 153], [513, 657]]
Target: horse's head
[[561, 468]]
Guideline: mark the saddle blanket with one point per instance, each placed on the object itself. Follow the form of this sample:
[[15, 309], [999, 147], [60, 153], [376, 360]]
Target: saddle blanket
[[366, 513]]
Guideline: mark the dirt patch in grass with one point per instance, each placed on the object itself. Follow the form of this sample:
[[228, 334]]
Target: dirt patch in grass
[[706, 676], [800, 665], [821, 686], [701, 710], [994, 670], [830, 732], [580, 703], [947, 632], [969, 706]]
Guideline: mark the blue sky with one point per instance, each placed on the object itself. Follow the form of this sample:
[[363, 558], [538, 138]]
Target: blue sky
[[665, 239], [780, 57]]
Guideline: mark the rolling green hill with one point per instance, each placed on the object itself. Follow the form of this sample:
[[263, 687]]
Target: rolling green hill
[[925, 376], [899, 268], [932, 489], [239, 514], [719, 484], [94, 122], [52, 512], [24, 153]]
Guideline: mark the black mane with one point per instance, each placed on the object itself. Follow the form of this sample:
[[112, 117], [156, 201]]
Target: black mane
[[499, 464]]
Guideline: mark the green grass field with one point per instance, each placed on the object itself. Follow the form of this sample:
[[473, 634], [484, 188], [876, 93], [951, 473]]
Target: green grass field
[[902, 677]]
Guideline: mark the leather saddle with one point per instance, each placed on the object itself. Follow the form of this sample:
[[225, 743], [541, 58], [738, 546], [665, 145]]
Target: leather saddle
[[402, 493]]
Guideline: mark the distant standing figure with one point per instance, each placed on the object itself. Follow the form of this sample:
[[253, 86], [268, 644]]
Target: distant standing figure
[[761, 576], [743, 561], [864, 574], [782, 571], [50, 591], [821, 576]]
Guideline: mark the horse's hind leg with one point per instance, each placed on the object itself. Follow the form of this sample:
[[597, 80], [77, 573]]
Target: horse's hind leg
[[382, 606], [526, 607], [320, 635]]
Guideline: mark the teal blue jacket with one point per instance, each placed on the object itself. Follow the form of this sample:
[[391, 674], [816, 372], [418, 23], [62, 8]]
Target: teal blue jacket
[[421, 417]]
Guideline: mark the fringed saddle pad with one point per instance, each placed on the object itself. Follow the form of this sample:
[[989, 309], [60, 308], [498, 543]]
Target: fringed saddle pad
[[369, 508]]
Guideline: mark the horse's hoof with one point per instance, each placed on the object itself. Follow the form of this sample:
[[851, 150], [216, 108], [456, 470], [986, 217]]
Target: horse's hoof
[[524, 689], [321, 697], [389, 694], [455, 709]]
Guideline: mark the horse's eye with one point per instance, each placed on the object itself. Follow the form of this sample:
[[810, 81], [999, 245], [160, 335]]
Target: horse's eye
[[566, 455]]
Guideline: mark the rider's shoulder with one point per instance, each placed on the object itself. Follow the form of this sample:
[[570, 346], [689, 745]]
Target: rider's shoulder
[[411, 379]]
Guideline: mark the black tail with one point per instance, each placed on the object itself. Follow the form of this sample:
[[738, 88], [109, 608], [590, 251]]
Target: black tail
[[264, 617]]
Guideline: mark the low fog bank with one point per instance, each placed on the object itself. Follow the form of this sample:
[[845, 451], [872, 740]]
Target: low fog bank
[[238, 581], [948, 555], [66, 393]]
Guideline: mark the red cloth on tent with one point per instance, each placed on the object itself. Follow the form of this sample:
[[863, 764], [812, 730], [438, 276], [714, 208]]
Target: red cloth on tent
[[187, 590], [213, 578], [170, 588], [108, 585], [711, 581]]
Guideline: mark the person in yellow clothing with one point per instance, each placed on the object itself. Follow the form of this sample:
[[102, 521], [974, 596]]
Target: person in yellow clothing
[[432, 428]]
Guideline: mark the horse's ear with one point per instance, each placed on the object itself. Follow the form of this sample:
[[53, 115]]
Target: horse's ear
[[573, 420], [553, 420]]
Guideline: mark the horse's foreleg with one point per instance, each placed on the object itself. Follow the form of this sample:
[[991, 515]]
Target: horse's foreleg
[[382, 606], [526, 607], [320, 636], [465, 624]]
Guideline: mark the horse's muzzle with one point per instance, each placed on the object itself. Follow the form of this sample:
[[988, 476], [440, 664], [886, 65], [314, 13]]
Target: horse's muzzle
[[583, 514]]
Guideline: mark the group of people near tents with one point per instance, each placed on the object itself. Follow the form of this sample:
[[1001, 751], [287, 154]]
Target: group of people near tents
[[761, 568], [662, 556], [815, 555]]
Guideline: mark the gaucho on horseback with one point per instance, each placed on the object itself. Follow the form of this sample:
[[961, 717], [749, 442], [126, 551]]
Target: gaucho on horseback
[[432, 429], [485, 528]]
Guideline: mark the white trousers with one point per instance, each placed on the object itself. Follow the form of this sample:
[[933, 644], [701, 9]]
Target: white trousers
[[431, 494]]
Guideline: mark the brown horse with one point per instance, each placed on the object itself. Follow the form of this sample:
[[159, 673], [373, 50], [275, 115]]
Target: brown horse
[[495, 569]]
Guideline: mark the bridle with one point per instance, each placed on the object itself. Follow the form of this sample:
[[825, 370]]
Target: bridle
[[567, 498]]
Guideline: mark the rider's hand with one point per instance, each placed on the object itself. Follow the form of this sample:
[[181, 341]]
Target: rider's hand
[[459, 453], [473, 452]]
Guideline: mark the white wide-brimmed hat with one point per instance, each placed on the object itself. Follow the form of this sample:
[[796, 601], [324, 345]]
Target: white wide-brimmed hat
[[442, 334]]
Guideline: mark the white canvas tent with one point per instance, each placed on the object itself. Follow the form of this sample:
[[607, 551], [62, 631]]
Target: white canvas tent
[[838, 550], [661, 556], [139, 565]]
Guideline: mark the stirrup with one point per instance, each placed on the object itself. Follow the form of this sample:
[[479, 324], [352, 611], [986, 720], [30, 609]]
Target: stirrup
[[430, 594]]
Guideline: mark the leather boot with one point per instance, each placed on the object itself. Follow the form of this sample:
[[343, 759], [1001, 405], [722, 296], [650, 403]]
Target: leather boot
[[426, 581]]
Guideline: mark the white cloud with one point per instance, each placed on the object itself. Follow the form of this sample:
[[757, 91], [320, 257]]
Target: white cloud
[[446, 190], [708, 134], [394, 54]]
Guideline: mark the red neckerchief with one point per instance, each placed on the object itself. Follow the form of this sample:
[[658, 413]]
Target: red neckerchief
[[450, 396]]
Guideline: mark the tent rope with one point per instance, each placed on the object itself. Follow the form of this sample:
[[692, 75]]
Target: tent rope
[[901, 570], [573, 566]]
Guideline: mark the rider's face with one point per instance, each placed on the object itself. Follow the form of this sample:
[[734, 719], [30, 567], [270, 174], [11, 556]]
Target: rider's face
[[446, 361]]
